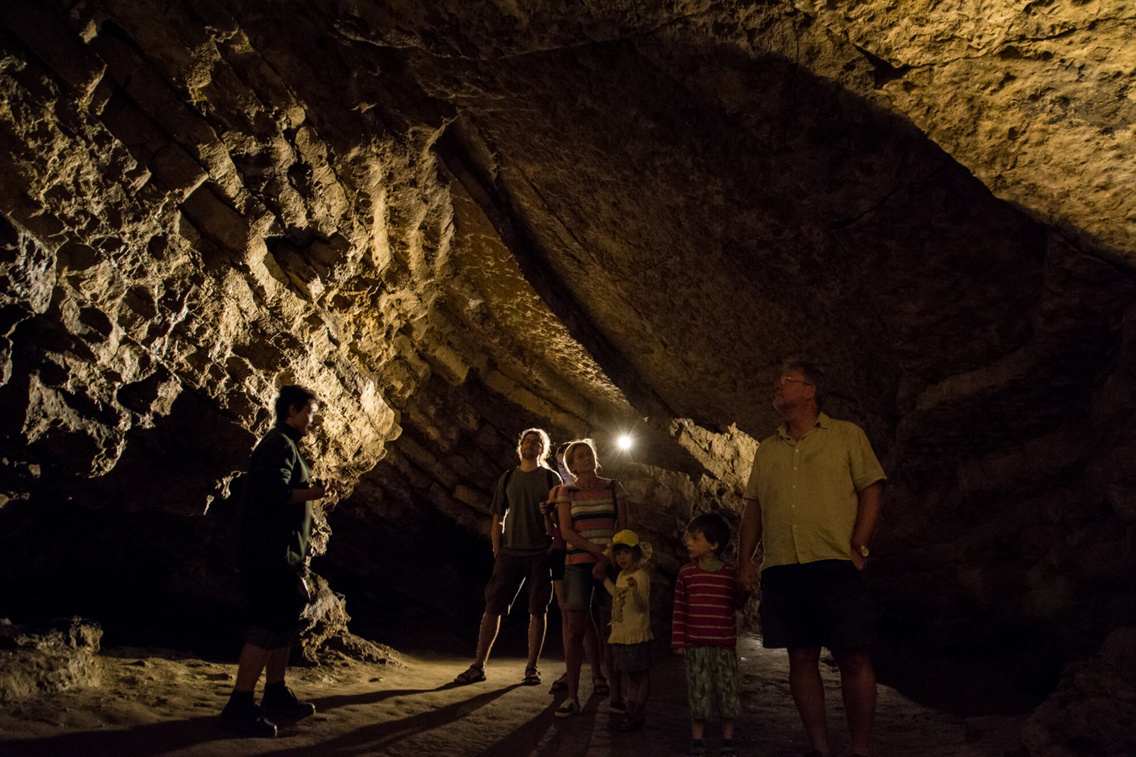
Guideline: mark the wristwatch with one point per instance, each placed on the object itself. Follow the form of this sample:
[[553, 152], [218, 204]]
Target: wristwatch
[[862, 549]]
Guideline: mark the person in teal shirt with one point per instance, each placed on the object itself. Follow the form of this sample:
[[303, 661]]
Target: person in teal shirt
[[274, 525]]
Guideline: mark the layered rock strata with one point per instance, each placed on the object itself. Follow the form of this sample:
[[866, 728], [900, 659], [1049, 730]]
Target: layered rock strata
[[455, 221]]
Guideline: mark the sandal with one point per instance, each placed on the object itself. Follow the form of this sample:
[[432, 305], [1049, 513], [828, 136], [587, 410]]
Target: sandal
[[727, 751], [569, 708], [473, 675], [617, 707], [532, 677], [600, 687], [560, 684]]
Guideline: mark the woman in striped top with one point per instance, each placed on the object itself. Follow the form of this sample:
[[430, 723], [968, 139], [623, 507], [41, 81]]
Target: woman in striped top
[[591, 510]]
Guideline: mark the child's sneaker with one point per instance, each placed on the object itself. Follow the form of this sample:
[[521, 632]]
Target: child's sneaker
[[630, 723]]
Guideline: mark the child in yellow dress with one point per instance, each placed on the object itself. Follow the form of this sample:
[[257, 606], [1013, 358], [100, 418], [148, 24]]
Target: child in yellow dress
[[630, 638]]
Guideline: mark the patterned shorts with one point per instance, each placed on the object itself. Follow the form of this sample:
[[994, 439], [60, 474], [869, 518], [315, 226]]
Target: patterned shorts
[[712, 682]]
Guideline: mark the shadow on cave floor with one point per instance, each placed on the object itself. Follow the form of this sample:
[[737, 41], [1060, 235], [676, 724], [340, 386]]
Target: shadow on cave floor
[[150, 706]]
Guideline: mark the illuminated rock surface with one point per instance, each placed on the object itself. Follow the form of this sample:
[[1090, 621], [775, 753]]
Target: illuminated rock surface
[[453, 221]]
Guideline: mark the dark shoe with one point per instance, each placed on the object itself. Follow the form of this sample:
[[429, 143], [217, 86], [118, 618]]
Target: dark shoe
[[246, 721], [617, 707], [629, 723], [600, 687], [532, 677], [560, 684], [283, 704], [473, 674]]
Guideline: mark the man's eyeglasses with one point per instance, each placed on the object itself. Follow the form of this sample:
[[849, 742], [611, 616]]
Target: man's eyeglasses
[[790, 380]]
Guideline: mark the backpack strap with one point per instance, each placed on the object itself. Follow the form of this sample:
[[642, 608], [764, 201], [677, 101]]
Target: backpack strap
[[505, 487]]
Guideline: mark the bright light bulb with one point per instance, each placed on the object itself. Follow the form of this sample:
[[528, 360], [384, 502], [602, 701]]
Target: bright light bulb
[[625, 442]]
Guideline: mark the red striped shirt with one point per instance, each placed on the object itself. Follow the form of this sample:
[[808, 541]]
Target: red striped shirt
[[706, 603]]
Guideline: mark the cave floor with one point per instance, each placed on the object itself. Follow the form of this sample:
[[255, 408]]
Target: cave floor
[[151, 703]]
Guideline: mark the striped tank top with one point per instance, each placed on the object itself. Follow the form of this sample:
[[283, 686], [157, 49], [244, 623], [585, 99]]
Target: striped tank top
[[593, 517]]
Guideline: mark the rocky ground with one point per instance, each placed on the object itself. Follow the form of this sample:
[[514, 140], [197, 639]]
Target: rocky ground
[[152, 702]]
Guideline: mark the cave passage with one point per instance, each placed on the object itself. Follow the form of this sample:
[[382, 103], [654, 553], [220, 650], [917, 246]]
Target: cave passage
[[454, 221]]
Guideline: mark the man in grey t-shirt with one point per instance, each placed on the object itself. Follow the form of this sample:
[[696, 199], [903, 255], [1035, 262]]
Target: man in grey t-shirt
[[520, 551]]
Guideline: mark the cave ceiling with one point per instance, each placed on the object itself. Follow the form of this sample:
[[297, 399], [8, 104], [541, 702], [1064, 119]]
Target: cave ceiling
[[455, 219]]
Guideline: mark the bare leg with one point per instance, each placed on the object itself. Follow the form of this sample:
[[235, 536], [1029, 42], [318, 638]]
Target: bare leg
[[615, 680], [728, 728], [808, 694], [249, 666], [276, 665], [697, 729], [536, 638], [592, 646], [574, 649], [490, 624], [638, 689], [858, 687]]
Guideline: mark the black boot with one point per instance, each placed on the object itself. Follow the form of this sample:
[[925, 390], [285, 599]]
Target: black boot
[[280, 702], [243, 717]]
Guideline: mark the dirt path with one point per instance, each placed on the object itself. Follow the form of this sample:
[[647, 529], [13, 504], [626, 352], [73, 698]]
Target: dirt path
[[164, 705]]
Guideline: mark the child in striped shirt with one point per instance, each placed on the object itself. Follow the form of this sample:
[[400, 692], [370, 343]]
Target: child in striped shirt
[[705, 631]]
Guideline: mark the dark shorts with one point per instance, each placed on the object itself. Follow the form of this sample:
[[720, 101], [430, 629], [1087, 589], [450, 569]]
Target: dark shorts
[[631, 658], [818, 604], [273, 605], [510, 573]]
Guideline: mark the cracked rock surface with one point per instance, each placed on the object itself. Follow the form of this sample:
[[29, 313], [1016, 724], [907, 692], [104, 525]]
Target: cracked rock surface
[[456, 220]]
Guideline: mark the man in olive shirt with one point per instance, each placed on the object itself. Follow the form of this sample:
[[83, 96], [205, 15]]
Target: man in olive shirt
[[520, 551], [813, 499]]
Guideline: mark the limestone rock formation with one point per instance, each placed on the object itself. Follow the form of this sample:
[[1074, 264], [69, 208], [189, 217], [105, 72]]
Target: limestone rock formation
[[1089, 712], [57, 657], [454, 220]]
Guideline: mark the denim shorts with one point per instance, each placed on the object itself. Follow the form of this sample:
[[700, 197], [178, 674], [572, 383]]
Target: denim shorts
[[583, 592], [631, 658]]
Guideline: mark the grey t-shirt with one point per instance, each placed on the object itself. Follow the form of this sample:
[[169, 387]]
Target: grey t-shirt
[[525, 533]]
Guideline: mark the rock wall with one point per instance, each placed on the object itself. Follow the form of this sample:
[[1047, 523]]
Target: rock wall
[[455, 221]]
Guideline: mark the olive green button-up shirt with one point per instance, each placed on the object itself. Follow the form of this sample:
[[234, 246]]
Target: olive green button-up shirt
[[807, 489]]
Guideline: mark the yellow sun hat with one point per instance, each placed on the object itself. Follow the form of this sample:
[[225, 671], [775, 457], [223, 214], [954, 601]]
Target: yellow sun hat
[[629, 538]]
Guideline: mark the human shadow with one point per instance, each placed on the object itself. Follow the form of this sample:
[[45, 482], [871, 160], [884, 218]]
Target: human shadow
[[142, 741], [373, 738], [160, 738], [325, 704], [527, 738]]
